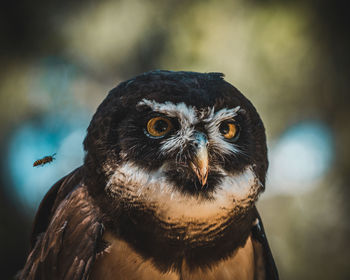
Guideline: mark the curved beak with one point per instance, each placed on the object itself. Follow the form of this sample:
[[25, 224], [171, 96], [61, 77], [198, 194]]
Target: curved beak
[[200, 161]]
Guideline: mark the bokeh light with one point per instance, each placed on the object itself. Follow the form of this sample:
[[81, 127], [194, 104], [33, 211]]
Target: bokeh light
[[300, 158], [34, 140]]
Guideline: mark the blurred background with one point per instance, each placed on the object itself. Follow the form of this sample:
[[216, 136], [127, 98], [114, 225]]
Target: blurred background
[[290, 58]]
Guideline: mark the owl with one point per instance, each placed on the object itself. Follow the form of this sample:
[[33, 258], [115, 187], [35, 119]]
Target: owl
[[174, 164]]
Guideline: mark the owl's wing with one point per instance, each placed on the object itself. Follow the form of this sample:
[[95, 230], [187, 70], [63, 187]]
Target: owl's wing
[[264, 262], [68, 232]]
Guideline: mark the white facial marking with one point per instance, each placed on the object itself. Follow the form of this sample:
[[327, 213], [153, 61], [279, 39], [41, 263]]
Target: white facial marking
[[188, 117], [185, 114], [134, 184]]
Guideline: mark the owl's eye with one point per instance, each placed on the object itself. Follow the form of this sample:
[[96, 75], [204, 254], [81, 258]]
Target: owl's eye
[[158, 126], [229, 130]]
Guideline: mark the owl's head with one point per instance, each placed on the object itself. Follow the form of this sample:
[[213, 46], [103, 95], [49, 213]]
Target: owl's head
[[190, 131]]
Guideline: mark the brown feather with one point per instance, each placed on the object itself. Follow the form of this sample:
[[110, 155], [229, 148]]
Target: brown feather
[[67, 249]]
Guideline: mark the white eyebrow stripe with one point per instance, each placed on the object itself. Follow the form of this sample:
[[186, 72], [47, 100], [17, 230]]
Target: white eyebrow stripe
[[186, 114], [221, 115], [190, 113]]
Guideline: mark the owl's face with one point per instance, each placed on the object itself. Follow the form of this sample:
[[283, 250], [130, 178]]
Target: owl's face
[[194, 147], [184, 134]]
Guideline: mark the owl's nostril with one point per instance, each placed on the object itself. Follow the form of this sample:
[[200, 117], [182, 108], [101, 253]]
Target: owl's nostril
[[200, 144]]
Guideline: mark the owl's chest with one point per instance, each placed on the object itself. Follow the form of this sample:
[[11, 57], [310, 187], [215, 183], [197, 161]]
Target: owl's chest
[[123, 263]]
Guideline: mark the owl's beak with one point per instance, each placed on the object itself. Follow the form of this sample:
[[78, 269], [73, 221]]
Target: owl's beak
[[200, 162]]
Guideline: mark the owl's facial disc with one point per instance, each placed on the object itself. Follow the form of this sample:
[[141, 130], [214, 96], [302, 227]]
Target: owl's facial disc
[[193, 147]]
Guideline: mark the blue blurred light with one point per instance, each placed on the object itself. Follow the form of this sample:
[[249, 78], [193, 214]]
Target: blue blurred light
[[36, 139], [300, 158]]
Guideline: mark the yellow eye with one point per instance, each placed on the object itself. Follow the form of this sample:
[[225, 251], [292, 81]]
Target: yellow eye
[[158, 126], [228, 130]]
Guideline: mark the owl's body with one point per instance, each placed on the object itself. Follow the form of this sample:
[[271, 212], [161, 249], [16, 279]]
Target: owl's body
[[123, 262], [175, 163]]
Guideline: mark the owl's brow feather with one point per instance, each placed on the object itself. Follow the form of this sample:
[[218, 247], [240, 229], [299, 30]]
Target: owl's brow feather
[[185, 114], [216, 118], [190, 114]]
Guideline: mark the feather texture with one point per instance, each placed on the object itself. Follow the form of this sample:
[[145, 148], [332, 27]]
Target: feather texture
[[68, 247]]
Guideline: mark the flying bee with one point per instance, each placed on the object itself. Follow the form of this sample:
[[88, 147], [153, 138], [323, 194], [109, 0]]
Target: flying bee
[[44, 160]]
